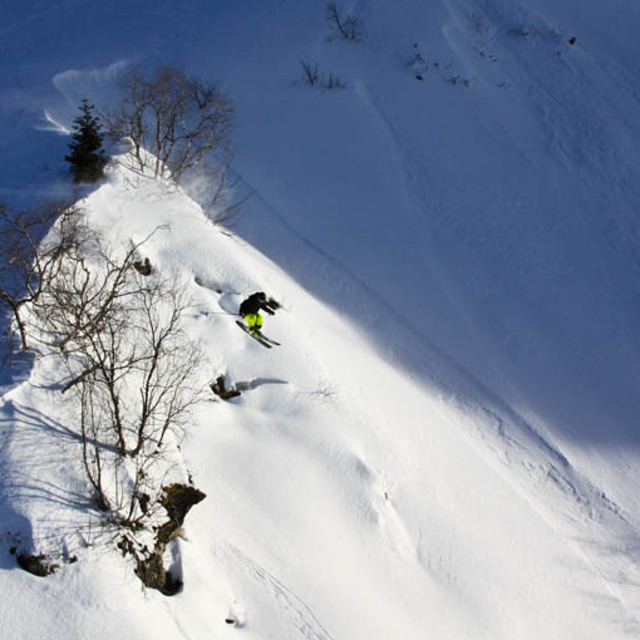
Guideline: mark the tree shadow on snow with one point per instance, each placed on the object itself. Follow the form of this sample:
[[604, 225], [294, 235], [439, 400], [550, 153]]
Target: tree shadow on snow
[[33, 460]]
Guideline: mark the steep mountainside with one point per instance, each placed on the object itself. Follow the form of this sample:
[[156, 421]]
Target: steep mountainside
[[445, 444]]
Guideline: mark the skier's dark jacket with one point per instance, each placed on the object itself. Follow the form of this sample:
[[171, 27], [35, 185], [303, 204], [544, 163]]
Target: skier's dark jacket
[[254, 303]]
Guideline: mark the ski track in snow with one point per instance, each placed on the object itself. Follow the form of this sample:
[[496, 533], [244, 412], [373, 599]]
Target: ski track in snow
[[521, 451], [505, 439], [520, 446], [34, 17], [300, 615], [601, 518]]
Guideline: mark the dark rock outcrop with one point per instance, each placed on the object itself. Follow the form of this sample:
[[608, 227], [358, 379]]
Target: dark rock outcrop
[[177, 499]]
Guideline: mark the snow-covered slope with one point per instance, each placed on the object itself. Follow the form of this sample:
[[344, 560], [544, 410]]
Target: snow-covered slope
[[446, 443], [343, 499]]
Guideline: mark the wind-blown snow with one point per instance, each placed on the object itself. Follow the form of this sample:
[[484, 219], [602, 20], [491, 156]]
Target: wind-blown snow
[[446, 443]]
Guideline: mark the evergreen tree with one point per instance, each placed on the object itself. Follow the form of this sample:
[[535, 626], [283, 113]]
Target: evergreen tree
[[87, 158]]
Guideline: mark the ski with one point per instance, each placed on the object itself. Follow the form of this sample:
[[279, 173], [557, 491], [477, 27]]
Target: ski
[[271, 341], [257, 337]]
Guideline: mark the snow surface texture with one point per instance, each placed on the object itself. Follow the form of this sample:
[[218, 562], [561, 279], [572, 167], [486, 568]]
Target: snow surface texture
[[446, 444]]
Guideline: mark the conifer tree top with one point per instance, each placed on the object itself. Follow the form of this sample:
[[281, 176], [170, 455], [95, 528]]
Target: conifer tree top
[[87, 157]]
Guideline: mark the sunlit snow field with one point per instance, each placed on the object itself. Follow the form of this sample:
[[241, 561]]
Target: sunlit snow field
[[446, 444]]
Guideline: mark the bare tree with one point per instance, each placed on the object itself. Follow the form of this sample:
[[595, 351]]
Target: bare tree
[[131, 364], [34, 243], [165, 364], [142, 386], [179, 120]]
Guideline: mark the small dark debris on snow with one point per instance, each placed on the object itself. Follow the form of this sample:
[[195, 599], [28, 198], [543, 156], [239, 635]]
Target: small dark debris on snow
[[36, 565], [144, 499], [219, 388], [143, 267]]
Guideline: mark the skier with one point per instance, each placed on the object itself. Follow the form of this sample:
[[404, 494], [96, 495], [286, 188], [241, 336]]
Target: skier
[[250, 310]]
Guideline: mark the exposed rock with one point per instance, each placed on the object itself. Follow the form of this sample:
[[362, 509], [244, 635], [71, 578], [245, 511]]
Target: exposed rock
[[37, 565], [143, 267], [177, 499], [220, 389], [152, 573]]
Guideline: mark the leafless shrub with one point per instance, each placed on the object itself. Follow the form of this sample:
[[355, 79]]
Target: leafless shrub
[[334, 82], [310, 72], [312, 77], [346, 25], [179, 120]]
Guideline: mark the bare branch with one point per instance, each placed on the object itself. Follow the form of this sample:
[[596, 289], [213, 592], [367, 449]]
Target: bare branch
[[179, 120], [34, 243], [133, 368], [348, 26]]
